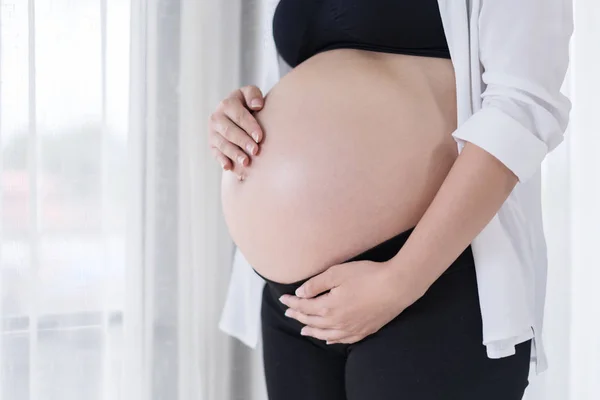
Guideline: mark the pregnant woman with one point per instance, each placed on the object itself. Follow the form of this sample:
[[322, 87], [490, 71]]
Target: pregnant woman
[[386, 192]]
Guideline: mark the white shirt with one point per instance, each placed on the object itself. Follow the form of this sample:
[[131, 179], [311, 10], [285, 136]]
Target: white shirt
[[510, 59]]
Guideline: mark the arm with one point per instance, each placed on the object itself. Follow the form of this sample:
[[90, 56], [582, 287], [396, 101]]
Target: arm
[[472, 193], [523, 47]]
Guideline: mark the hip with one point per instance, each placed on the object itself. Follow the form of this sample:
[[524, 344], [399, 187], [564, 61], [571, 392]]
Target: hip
[[432, 350]]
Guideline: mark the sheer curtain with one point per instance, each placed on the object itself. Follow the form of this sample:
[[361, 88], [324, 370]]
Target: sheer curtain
[[572, 219], [63, 139], [185, 57], [114, 255]]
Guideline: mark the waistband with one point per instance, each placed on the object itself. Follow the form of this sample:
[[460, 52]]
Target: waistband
[[382, 252]]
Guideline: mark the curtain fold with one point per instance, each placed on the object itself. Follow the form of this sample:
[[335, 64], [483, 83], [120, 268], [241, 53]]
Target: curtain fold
[[210, 70], [185, 59], [584, 173], [571, 194]]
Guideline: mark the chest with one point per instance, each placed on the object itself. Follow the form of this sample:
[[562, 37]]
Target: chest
[[303, 28]]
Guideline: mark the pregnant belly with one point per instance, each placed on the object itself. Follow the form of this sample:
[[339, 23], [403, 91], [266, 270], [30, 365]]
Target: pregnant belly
[[356, 146]]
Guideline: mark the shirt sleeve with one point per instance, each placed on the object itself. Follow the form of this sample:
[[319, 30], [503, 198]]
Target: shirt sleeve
[[524, 54]]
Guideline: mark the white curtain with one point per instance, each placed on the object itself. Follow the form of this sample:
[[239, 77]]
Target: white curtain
[[572, 224], [185, 59], [63, 138], [114, 257]]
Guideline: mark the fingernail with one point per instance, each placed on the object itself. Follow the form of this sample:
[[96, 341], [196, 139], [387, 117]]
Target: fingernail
[[241, 159], [300, 292], [282, 299], [303, 332], [251, 149], [255, 103], [288, 312], [255, 136]]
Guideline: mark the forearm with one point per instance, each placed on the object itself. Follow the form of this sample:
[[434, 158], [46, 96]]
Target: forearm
[[472, 193]]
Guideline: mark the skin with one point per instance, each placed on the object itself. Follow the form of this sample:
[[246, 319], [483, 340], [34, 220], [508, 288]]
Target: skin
[[234, 135], [346, 133], [364, 296]]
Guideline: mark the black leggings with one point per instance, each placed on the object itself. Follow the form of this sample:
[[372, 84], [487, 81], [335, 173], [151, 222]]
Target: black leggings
[[432, 351]]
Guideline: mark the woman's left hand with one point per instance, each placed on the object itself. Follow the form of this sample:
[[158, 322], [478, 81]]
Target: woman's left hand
[[363, 297]]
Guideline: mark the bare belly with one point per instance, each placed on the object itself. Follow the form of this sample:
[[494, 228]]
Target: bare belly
[[356, 146]]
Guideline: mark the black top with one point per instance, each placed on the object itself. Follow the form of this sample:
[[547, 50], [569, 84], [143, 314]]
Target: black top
[[303, 28]]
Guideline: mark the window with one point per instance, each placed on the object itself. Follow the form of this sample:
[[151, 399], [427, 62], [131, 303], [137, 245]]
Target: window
[[64, 79]]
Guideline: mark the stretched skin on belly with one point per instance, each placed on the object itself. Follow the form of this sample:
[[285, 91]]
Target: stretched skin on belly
[[356, 146]]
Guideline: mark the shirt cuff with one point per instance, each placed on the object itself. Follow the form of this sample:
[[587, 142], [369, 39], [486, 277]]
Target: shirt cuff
[[506, 139], [506, 347]]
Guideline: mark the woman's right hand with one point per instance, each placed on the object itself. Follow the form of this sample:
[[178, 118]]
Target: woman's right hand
[[233, 133]]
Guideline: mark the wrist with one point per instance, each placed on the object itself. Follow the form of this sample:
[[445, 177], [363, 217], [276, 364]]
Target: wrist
[[413, 278]]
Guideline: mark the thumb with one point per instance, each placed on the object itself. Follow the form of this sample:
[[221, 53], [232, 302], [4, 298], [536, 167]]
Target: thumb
[[323, 282], [253, 97]]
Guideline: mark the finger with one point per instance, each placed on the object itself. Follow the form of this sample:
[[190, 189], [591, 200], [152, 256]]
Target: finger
[[220, 157], [253, 97], [323, 282], [236, 111], [229, 149], [319, 306], [310, 320], [240, 171], [351, 339], [233, 133], [347, 340], [323, 334]]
